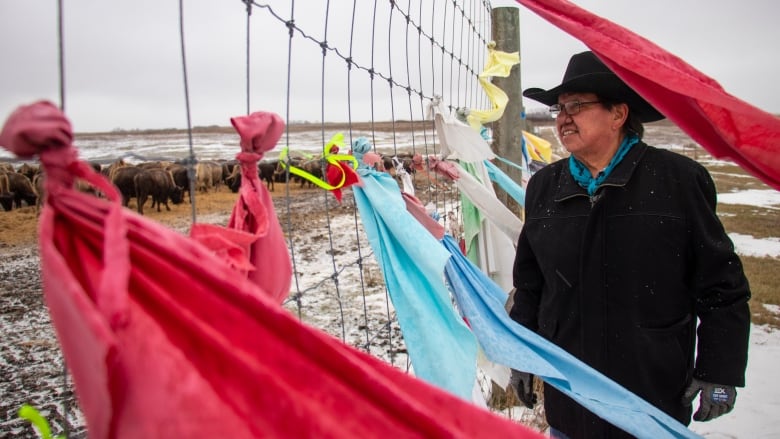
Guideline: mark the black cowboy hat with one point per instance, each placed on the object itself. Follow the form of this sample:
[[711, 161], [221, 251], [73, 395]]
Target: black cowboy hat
[[587, 74]]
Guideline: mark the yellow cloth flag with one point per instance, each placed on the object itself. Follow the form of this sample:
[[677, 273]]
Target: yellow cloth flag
[[498, 64], [538, 148]]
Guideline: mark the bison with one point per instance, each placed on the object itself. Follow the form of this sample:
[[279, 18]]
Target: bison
[[233, 181], [28, 170], [158, 184], [38, 183], [6, 197], [109, 170], [123, 179], [266, 170], [217, 177], [281, 173], [152, 165], [203, 177], [313, 167], [22, 189], [181, 177], [7, 201]]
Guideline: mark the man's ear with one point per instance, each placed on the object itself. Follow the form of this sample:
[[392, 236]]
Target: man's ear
[[620, 115]]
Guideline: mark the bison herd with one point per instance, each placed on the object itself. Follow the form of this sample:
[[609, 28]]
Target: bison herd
[[16, 186], [160, 181]]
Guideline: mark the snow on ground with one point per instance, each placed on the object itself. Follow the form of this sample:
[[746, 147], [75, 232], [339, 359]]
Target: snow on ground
[[755, 413], [747, 245], [766, 198]]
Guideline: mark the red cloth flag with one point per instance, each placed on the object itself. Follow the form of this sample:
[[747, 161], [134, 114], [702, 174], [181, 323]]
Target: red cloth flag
[[340, 174], [721, 123], [164, 340], [253, 243], [254, 210]]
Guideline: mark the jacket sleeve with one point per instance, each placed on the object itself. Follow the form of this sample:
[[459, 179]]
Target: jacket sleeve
[[528, 281], [720, 289]]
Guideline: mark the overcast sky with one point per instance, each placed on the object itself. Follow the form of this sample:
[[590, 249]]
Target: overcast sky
[[123, 66]]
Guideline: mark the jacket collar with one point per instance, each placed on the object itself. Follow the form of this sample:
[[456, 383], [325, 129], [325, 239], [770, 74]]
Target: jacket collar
[[568, 187]]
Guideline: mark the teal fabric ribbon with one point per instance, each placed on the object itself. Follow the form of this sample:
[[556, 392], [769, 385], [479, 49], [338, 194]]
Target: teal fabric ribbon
[[360, 147], [443, 350], [582, 175], [505, 182]]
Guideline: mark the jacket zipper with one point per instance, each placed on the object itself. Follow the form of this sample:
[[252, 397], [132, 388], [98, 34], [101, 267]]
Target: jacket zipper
[[599, 193]]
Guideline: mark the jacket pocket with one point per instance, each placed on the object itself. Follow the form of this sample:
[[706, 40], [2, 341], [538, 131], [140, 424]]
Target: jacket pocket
[[666, 351]]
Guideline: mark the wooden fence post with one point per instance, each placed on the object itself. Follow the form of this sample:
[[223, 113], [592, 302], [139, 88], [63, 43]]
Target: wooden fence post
[[508, 130]]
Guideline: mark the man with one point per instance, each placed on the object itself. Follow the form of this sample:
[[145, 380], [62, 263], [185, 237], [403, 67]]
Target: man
[[622, 260]]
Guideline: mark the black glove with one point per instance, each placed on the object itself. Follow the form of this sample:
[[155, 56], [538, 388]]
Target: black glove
[[523, 385], [715, 399]]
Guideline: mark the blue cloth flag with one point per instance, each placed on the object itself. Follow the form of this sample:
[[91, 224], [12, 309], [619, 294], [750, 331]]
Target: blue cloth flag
[[498, 176], [442, 349]]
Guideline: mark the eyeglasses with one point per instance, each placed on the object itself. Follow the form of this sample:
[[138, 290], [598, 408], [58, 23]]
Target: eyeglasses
[[571, 108]]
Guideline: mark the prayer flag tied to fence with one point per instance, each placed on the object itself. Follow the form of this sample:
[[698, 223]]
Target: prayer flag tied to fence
[[442, 349], [536, 148], [722, 124], [254, 241], [491, 229], [158, 346], [498, 64]]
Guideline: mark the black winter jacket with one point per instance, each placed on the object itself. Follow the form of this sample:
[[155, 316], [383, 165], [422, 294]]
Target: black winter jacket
[[619, 280]]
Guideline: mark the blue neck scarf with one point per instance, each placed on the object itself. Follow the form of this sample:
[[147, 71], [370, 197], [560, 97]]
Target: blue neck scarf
[[582, 175]]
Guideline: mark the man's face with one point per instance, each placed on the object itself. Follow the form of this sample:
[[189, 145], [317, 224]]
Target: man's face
[[592, 127]]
